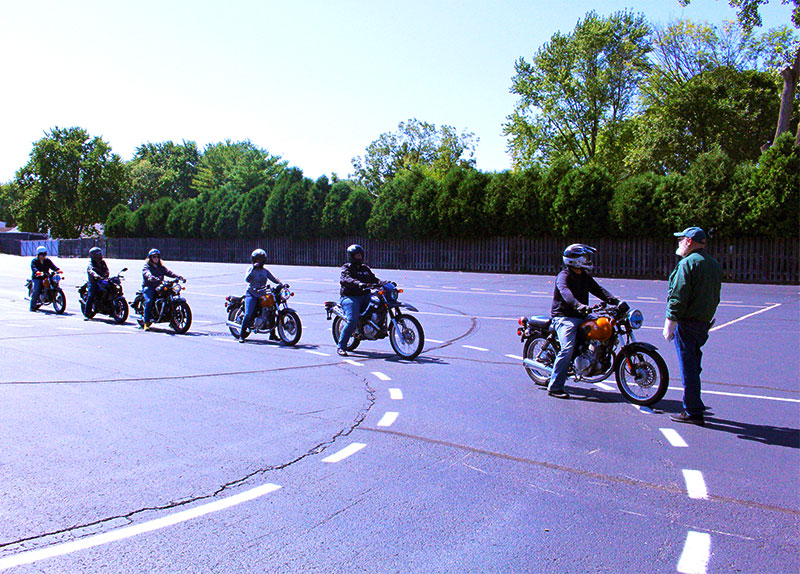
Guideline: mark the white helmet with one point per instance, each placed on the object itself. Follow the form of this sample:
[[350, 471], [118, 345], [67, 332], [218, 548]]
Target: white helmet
[[579, 255]]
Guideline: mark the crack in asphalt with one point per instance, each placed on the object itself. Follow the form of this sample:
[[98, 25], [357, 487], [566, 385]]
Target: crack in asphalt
[[129, 517]]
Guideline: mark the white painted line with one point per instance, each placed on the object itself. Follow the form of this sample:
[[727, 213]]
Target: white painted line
[[647, 298], [744, 396], [354, 363], [396, 394], [345, 452], [318, 353], [743, 317], [388, 419], [507, 291], [696, 553], [381, 376], [476, 289], [739, 302], [434, 341], [129, 531], [673, 437], [15, 325], [474, 348], [695, 485], [422, 286], [447, 287], [642, 409], [69, 328], [515, 357], [604, 386]]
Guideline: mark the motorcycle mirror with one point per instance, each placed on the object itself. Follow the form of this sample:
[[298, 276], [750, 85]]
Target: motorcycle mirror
[[124, 269]]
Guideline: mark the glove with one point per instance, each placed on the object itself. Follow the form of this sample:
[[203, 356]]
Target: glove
[[181, 278], [583, 310], [613, 301], [669, 329]]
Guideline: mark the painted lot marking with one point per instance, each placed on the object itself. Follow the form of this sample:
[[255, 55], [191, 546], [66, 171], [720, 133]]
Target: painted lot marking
[[696, 553], [317, 353], [396, 394], [15, 325], [349, 450], [381, 376], [69, 329], [474, 348], [354, 363], [695, 485], [515, 357], [744, 396], [476, 289], [129, 531], [388, 419], [742, 318], [604, 386], [673, 437], [434, 341], [507, 291]]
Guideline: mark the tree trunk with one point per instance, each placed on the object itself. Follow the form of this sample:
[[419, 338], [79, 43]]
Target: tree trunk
[[790, 77]]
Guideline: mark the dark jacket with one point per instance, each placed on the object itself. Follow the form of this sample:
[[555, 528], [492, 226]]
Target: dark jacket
[[97, 270], [153, 275], [42, 266], [355, 278], [694, 288], [572, 290]]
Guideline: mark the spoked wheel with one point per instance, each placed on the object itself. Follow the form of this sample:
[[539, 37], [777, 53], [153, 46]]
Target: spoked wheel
[[336, 331], [642, 376], [406, 336], [119, 310], [289, 327], [541, 351], [181, 318], [59, 301], [237, 315]]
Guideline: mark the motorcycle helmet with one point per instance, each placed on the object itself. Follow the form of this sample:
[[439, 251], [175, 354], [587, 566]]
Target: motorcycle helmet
[[258, 256], [41, 250], [96, 253], [152, 253], [353, 252], [579, 255]]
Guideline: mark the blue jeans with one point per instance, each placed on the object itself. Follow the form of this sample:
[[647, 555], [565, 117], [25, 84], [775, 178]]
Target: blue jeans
[[91, 296], [149, 294], [353, 306], [250, 307], [37, 290], [690, 336], [567, 333]]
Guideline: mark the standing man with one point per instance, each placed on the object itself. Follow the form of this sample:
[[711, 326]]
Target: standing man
[[694, 288]]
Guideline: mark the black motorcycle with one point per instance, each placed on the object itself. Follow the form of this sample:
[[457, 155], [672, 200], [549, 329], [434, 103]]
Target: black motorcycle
[[272, 314], [169, 306], [51, 291], [382, 317], [110, 300], [605, 345]]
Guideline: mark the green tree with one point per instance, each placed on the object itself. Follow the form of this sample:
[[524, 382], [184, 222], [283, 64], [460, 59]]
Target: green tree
[[774, 208], [117, 221], [423, 219], [240, 165], [333, 209], [137, 221], [391, 214], [156, 221], [356, 211], [581, 204], [414, 144], [9, 198], [633, 211], [71, 182], [275, 222], [251, 214], [175, 220], [575, 87], [460, 201], [163, 169], [527, 214]]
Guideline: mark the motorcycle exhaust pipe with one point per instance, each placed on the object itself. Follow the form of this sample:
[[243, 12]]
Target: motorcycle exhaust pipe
[[233, 324], [536, 365]]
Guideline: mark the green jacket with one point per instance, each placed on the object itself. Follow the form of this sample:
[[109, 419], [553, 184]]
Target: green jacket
[[694, 287]]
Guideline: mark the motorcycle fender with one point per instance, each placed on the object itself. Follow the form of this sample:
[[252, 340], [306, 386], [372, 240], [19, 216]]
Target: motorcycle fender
[[409, 307], [632, 348], [287, 310]]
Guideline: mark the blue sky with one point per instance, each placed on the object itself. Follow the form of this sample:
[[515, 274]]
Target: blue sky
[[312, 81]]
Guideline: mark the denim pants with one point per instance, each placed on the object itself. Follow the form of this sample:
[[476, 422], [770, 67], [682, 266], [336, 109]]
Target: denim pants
[[250, 307], [149, 294], [37, 290], [91, 296], [567, 333], [352, 305], [690, 336]]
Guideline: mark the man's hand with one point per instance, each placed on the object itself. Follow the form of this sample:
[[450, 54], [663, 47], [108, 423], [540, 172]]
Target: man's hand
[[669, 329], [583, 310]]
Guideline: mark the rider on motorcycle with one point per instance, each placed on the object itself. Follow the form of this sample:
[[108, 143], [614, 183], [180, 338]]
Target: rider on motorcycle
[[257, 277], [570, 306], [97, 271], [355, 281], [153, 274], [40, 264]]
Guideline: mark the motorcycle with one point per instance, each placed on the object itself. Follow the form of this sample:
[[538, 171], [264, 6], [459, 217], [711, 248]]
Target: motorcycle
[[168, 307], [51, 291], [641, 373], [273, 313], [382, 317], [110, 299]]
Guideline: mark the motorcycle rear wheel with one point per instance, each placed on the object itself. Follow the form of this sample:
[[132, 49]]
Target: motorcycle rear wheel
[[181, 318], [59, 301], [532, 349], [406, 336], [336, 331], [289, 327], [119, 310], [236, 314], [642, 377]]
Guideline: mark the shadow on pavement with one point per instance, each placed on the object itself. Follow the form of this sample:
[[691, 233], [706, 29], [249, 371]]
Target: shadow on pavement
[[765, 434]]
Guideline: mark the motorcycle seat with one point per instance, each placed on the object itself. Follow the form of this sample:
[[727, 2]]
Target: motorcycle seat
[[235, 300], [542, 323]]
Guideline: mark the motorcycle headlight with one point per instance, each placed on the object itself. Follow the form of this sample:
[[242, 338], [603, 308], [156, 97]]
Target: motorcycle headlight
[[176, 288], [392, 295], [286, 293], [635, 318]]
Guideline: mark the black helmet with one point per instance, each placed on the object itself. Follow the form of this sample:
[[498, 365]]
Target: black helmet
[[353, 251], [258, 256], [96, 253], [579, 255]]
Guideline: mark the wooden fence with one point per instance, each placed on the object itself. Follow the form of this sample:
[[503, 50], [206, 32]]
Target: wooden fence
[[757, 260]]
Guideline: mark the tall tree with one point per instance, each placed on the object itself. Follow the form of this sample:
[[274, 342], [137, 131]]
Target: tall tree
[[163, 169], [576, 86], [414, 144], [71, 182], [241, 165]]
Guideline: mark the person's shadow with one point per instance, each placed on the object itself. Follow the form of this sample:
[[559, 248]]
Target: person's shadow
[[765, 434]]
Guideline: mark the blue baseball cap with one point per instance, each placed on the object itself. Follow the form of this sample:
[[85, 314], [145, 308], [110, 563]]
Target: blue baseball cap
[[693, 233]]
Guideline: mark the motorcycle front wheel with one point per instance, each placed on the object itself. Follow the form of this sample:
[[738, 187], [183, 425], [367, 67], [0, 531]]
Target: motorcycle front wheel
[[642, 375], [119, 310], [336, 331], [406, 336], [538, 349], [289, 327], [236, 315], [59, 301], [181, 318]]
